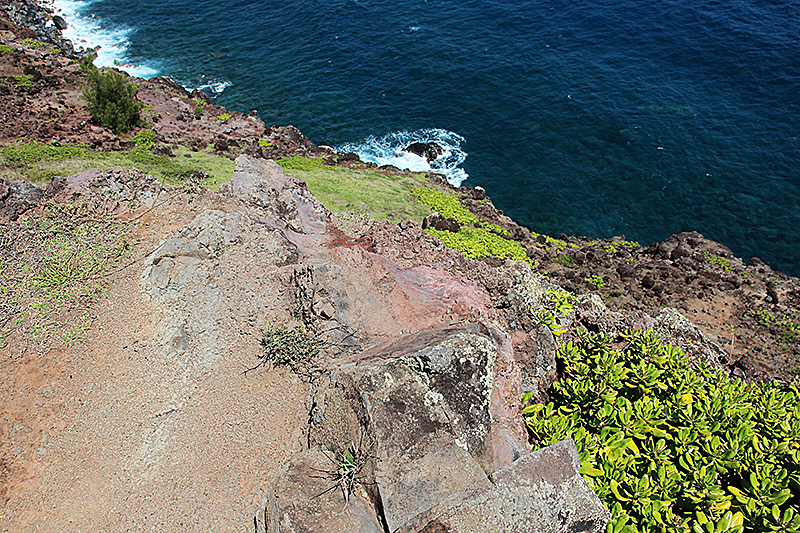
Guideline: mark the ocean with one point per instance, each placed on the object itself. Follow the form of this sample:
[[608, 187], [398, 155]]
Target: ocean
[[597, 118]]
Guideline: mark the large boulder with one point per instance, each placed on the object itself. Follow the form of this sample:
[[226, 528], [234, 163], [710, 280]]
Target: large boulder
[[433, 421]]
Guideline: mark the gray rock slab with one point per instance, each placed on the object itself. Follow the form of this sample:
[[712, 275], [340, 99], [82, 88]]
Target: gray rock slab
[[435, 408], [542, 492], [306, 499]]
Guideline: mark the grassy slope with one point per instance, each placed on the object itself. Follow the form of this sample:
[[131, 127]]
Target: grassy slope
[[40, 163], [371, 192]]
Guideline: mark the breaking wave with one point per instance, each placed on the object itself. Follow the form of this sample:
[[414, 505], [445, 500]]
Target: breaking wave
[[389, 150], [87, 32]]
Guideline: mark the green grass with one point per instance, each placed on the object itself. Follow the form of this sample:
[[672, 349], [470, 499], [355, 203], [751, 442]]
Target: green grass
[[39, 163], [375, 194]]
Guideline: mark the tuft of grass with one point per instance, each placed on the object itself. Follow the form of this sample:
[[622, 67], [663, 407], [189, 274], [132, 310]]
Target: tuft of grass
[[289, 347], [5, 49]]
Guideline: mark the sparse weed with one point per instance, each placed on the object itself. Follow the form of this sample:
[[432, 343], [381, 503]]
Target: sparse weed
[[294, 348]]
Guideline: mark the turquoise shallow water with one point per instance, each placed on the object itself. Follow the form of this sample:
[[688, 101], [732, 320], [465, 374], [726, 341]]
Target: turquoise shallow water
[[593, 118]]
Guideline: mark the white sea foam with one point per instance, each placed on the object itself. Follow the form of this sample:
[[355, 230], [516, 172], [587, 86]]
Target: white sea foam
[[388, 150], [212, 86], [87, 32]]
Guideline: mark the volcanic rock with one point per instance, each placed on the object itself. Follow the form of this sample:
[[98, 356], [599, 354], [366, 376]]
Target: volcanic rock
[[430, 150]]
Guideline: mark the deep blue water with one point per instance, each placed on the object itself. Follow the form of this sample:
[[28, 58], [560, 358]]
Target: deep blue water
[[595, 118]]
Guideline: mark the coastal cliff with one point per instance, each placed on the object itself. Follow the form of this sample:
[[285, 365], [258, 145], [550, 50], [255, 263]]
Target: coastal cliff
[[144, 273]]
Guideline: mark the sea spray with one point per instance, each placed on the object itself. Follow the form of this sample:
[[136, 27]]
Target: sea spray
[[390, 150], [88, 32]]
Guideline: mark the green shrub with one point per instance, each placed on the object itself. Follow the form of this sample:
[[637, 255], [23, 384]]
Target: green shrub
[[110, 98], [145, 139], [556, 311], [23, 80], [5, 49], [595, 280], [671, 445]]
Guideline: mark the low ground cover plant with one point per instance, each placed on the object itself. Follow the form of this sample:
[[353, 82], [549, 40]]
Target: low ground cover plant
[[284, 346], [475, 238], [673, 445], [52, 261]]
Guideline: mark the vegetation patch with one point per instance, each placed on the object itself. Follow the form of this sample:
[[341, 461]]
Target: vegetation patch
[[479, 242], [289, 347], [475, 238], [5, 49], [110, 97], [39, 163], [303, 164], [595, 280], [674, 446], [445, 205], [33, 42], [52, 262], [787, 329], [718, 260], [564, 260], [23, 80], [367, 192]]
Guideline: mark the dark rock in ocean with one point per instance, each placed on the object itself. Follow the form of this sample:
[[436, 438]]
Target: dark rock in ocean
[[429, 151], [438, 222], [59, 22]]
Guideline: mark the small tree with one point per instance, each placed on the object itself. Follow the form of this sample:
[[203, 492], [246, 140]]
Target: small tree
[[110, 97]]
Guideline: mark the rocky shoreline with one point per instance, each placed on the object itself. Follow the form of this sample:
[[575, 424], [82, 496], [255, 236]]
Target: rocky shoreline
[[747, 309]]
